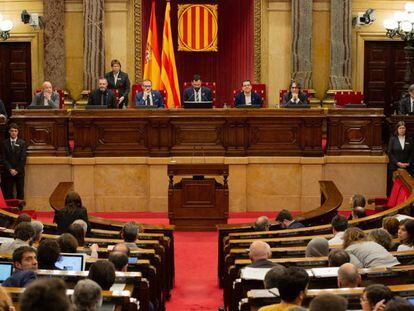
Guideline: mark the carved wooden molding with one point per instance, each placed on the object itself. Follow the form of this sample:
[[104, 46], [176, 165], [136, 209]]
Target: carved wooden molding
[[138, 39], [257, 41]]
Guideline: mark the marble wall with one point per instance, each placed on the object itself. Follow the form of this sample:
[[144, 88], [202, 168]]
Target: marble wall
[[255, 183]]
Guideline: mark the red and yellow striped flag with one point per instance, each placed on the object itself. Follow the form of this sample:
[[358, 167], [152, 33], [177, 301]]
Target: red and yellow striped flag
[[197, 27], [169, 76], [152, 67]]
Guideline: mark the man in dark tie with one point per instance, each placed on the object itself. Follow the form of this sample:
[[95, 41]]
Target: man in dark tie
[[102, 96], [14, 159], [197, 93], [407, 103], [148, 97]]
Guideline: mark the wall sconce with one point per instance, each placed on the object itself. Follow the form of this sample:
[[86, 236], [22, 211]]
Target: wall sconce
[[6, 26]]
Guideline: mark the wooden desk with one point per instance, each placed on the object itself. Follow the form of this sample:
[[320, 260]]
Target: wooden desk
[[198, 203], [209, 132], [46, 132], [354, 131]]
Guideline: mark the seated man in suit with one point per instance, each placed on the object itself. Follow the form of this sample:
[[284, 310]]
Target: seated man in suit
[[246, 97], [197, 93], [148, 97], [25, 263], [119, 80], [102, 96], [286, 220], [406, 105], [47, 97], [294, 96]]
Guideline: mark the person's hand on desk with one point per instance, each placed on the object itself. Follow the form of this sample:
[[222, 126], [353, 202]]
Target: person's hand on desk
[[402, 165]]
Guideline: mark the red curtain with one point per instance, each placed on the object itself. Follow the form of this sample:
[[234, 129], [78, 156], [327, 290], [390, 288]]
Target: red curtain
[[234, 60]]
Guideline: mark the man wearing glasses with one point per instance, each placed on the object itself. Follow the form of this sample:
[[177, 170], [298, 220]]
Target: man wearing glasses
[[148, 97], [247, 98], [294, 96]]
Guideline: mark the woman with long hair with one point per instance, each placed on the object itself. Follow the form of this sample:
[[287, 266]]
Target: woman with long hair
[[365, 253], [406, 235], [73, 210]]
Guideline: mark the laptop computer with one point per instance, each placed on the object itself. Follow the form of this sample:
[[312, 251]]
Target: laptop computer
[[72, 262], [6, 270], [197, 105], [298, 106], [95, 107], [146, 107], [355, 106], [39, 107]]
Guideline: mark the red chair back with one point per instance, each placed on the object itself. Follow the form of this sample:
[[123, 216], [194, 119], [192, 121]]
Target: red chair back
[[210, 85], [136, 88], [259, 88], [395, 193], [348, 97]]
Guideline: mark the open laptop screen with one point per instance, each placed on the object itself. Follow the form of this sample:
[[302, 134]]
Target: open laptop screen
[[72, 262], [6, 270]]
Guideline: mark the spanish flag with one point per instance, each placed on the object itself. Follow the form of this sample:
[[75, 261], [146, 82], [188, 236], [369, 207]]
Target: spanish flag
[[152, 67], [169, 77]]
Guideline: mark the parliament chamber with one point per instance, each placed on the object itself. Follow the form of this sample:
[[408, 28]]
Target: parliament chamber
[[234, 155]]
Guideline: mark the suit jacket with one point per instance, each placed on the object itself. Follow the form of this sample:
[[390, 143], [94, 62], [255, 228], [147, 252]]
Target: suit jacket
[[14, 158], [404, 106], [20, 278], [303, 99], [240, 100], [396, 154], [64, 219], [157, 101], [206, 95], [295, 225], [122, 85], [3, 109], [262, 263], [109, 98], [38, 100]]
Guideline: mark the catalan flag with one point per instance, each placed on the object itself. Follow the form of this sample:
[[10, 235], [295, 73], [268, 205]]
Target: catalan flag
[[152, 66], [169, 77], [197, 27]]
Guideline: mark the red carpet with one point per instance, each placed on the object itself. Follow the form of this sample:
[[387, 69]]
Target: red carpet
[[196, 286]]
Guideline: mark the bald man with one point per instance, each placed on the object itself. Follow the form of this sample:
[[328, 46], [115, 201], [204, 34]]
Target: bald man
[[47, 97], [122, 248], [348, 276], [262, 224], [259, 254]]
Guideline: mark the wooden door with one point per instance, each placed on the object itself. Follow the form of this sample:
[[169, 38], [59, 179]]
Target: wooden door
[[384, 74], [15, 74]]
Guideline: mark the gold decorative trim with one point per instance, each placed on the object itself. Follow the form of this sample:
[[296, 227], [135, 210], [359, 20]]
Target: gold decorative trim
[[257, 54], [138, 39]]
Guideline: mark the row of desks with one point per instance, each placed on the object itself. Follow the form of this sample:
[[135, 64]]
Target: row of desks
[[202, 132]]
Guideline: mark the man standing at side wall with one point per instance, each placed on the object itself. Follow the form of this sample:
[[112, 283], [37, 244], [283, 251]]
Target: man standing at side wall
[[13, 151]]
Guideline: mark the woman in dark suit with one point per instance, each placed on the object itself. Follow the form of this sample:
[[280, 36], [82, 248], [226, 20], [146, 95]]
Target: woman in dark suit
[[119, 80], [400, 152], [73, 210]]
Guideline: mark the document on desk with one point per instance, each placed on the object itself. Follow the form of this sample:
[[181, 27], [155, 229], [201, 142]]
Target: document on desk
[[253, 273], [325, 272]]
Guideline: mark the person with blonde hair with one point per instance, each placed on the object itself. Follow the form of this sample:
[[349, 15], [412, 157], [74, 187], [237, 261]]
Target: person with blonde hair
[[365, 253], [6, 303]]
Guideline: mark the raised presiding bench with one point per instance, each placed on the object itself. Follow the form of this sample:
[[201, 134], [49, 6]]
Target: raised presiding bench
[[46, 132], [209, 132]]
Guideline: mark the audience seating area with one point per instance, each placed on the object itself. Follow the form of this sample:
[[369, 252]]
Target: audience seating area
[[288, 248]]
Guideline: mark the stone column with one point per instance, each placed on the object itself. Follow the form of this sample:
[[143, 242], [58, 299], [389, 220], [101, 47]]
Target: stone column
[[302, 42], [341, 23], [94, 42], [54, 42]]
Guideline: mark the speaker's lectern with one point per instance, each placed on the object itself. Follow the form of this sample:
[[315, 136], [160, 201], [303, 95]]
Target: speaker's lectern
[[197, 203]]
